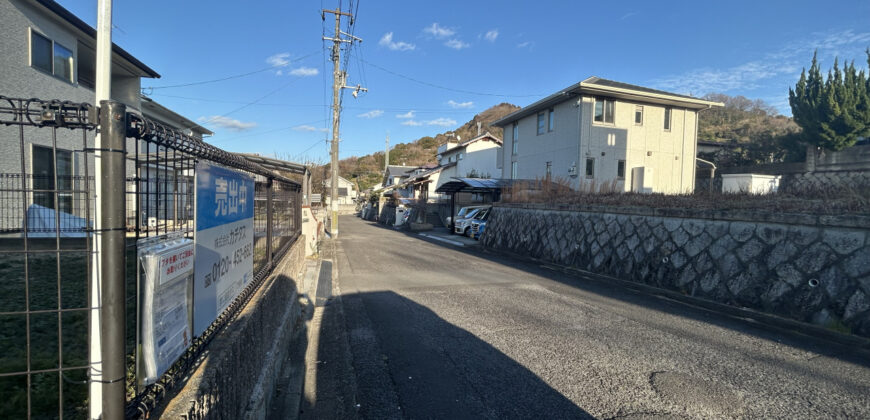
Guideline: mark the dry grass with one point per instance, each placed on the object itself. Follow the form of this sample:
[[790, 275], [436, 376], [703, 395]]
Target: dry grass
[[818, 202]]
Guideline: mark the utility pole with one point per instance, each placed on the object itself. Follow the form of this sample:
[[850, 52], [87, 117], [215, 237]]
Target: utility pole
[[387, 153], [104, 401], [338, 79]]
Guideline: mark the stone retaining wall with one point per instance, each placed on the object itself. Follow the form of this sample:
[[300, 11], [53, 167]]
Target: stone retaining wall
[[241, 360], [821, 180], [808, 268]]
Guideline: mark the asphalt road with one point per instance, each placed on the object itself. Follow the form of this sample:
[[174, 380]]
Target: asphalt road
[[422, 329]]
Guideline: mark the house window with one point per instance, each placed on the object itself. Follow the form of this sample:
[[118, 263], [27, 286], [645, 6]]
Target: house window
[[549, 170], [516, 137], [604, 110], [638, 115], [40, 52], [590, 168], [551, 120], [460, 157], [667, 119], [620, 169], [63, 62], [51, 57], [342, 192], [44, 159], [542, 123], [513, 170]]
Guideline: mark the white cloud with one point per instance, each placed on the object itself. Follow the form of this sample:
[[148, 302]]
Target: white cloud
[[784, 64], [457, 44], [525, 44], [305, 128], [279, 60], [412, 123], [438, 31], [409, 114], [228, 123], [460, 105], [387, 41], [491, 35], [628, 15], [304, 71], [443, 122], [371, 114]]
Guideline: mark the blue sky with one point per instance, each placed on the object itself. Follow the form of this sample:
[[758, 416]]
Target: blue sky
[[430, 66]]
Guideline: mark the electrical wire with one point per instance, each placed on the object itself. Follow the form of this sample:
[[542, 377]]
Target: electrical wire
[[153, 88], [470, 92], [259, 133]]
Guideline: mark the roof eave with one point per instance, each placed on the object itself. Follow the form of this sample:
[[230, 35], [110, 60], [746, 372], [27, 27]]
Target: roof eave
[[589, 88], [79, 24]]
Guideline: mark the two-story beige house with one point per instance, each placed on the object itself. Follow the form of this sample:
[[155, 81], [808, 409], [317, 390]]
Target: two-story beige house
[[601, 132]]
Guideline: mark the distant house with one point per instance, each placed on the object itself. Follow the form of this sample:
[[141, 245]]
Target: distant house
[[474, 158], [395, 176], [347, 193], [49, 53], [600, 132]]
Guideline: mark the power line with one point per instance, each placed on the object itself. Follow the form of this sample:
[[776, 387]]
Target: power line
[[260, 133], [326, 106], [470, 92], [152, 88]]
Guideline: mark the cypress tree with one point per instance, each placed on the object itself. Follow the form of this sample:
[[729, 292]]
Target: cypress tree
[[833, 113]]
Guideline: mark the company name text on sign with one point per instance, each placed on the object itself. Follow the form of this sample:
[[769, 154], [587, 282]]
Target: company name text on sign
[[224, 240]]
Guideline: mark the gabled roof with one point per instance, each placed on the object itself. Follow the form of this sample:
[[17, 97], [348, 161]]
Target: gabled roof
[[397, 170], [79, 24], [603, 87], [484, 136], [425, 175]]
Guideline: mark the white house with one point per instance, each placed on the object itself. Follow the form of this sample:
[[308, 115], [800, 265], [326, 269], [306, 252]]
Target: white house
[[474, 158], [346, 190], [395, 176], [602, 132]]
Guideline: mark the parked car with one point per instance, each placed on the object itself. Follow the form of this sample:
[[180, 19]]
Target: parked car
[[463, 226], [463, 212], [479, 225]]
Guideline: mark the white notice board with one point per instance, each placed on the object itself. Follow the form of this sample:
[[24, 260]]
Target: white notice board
[[165, 330]]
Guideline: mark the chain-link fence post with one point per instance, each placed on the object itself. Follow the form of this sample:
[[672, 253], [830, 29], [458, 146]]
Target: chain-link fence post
[[111, 201], [270, 184]]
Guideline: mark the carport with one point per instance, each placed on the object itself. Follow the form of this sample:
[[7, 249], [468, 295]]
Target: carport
[[492, 186]]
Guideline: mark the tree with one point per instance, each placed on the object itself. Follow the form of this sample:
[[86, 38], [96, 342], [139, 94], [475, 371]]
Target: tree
[[833, 113]]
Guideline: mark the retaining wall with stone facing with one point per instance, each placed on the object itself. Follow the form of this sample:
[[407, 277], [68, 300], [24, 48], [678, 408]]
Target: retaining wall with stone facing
[[808, 268]]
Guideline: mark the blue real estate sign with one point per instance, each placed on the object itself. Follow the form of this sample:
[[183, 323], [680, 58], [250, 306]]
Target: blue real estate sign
[[224, 240]]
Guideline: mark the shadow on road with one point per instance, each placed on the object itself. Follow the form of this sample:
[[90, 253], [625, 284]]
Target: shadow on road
[[604, 288], [410, 363]]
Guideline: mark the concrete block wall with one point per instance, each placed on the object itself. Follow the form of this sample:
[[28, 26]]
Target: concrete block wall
[[244, 359], [809, 268]]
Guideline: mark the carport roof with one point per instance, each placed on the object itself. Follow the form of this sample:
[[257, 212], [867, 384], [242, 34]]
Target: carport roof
[[475, 185]]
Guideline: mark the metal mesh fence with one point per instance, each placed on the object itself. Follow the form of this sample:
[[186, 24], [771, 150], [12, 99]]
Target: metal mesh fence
[[45, 206], [46, 234]]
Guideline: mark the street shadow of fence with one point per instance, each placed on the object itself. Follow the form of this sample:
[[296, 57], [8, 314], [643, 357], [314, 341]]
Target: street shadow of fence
[[411, 363]]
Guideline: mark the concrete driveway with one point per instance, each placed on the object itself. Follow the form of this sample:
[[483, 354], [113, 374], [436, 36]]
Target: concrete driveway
[[422, 329]]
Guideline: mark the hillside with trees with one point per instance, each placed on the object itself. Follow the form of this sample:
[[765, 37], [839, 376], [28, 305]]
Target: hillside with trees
[[753, 130], [368, 170]]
